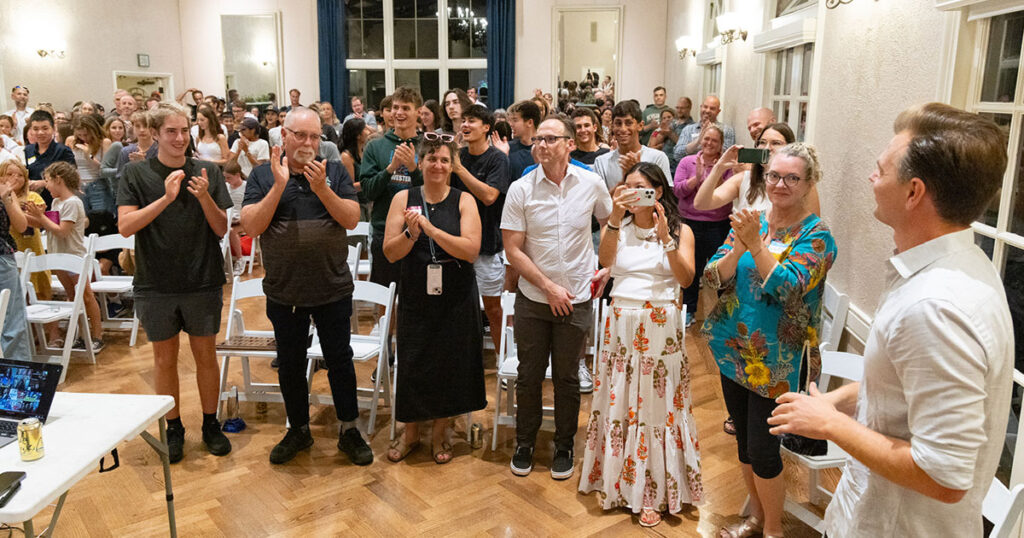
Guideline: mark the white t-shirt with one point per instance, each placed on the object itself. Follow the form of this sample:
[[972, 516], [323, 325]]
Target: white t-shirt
[[73, 210], [556, 219], [761, 204], [20, 120], [938, 373], [195, 131], [274, 134], [259, 149], [237, 195]]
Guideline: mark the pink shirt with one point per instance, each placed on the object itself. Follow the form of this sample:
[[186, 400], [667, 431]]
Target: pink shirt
[[686, 169]]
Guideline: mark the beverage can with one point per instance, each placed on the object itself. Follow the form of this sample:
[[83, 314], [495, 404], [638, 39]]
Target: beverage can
[[30, 439], [476, 435]]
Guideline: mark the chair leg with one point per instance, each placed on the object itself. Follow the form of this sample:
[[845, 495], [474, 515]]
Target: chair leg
[[223, 383], [497, 415], [135, 330], [87, 338], [813, 494]]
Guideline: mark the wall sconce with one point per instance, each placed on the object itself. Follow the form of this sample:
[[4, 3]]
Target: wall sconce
[[59, 54], [687, 46], [729, 28]]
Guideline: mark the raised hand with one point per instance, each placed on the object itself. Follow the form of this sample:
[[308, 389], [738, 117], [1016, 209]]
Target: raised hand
[[500, 143], [622, 198], [316, 174], [279, 166], [412, 222], [136, 156], [199, 185], [730, 158], [661, 223], [172, 184]]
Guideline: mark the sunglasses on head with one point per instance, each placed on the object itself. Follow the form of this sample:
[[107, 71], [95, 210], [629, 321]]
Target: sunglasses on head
[[19, 88], [443, 137]]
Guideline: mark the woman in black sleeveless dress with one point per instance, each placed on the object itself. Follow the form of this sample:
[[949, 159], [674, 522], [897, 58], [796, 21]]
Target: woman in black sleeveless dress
[[435, 231]]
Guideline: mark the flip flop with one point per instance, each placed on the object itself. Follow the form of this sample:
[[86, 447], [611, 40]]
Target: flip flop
[[649, 517], [444, 455], [729, 426], [402, 448]]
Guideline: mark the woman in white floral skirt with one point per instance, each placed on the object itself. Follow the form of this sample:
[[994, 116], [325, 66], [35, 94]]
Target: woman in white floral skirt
[[642, 451]]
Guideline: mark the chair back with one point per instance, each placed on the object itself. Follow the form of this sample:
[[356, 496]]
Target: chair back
[[507, 343], [362, 229], [241, 289], [103, 243], [58, 262], [848, 366], [835, 307], [375, 293], [354, 252]]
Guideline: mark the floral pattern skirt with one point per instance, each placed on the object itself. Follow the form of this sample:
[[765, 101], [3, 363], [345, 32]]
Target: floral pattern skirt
[[642, 449]]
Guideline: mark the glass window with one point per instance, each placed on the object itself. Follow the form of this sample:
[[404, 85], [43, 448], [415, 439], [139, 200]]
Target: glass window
[[364, 24], [805, 70], [467, 29], [466, 78], [416, 29], [785, 7], [991, 215], [368, 85], [424, 80], [999, 82], [791, 86]]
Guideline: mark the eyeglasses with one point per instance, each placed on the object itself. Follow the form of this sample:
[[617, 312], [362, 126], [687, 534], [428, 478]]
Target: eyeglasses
[[443, 137], [301, 137], [790, 179], [549, 139]]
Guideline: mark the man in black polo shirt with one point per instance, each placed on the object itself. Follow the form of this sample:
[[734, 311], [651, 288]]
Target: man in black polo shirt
[[482, 170], [179, 274], [301, 207], [44, 152]]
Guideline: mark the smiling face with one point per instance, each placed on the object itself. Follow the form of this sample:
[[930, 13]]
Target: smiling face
[[709, 109], [20, 97], [117, 131], [437, 165], [15, 178], [173, 137], [87, 108], [711, 143], [42, 132], [626, 130], [782, 195], [771, 140], [427, 119], [5, 126], [403, 115], [585, 130], [474, 130], [301, 138]]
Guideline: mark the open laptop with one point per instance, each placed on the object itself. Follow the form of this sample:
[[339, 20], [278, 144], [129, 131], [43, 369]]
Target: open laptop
[[26, 390]]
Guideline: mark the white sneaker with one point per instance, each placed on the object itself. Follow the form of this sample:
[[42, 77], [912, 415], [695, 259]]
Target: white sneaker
[[586, 380], [239, 267]]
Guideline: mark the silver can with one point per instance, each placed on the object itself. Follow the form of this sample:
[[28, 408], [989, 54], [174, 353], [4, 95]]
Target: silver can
[[476, 435]]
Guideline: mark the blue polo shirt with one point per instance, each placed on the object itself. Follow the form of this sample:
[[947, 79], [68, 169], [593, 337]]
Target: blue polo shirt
[[305, 251], [37, 162]]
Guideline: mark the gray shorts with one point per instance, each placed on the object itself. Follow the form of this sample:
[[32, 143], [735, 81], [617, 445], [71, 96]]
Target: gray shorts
[[490, 274], [164, 315]]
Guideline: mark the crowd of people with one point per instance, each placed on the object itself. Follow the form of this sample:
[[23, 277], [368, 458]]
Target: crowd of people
[[559, 204]]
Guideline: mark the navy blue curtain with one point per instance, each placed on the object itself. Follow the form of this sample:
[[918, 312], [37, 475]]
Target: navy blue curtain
[[501, 53], [331, 41]]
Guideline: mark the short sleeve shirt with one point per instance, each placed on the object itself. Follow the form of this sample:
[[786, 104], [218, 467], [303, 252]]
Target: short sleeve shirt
[[259, 149], [72, 210], [177, 252], [556, 220], [37, 162], [305, 251], [491, 167]]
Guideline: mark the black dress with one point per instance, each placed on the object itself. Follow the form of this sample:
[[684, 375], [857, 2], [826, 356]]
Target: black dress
[[440, 356]]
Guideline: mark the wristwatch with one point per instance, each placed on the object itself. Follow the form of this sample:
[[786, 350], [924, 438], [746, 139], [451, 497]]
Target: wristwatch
[[407, 234]]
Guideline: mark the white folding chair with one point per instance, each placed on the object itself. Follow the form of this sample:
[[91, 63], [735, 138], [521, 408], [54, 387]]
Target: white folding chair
[[5, 297], [362, 229], [225, 247], [508, 372], [245, 344], [39, 313], [835, 308], [365, 348], [1003, 506], [250, 259], [105, 286], [354, 252]]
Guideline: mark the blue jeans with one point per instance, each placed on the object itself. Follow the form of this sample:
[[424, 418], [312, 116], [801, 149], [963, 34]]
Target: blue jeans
[[15, 340]]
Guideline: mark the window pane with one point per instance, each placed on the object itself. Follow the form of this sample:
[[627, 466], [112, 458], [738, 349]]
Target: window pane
[[1016, 199], [372, 9], [780, 66], [426, 38], [459, 40], [785, 111], [373, 38], [354, 35], [424, 80], [426, 9], [986, 243], [801, 130], [368, 85], [1013, 282], [480, 37], [1002, 60], [788, 6], [466, 78], [353, 11], [405, 38], [404, 9], [787, 74], [805, 69], [992, 213]]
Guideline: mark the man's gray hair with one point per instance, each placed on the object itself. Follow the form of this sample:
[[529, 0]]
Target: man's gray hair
[[297, 113]]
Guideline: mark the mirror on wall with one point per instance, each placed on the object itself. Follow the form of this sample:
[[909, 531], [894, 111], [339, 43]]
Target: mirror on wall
[[252, 57], [589, 40]]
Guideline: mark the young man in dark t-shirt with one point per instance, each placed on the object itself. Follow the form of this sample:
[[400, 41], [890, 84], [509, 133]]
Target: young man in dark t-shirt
[[587, 150], [301, 207], [44, 152], [523, 117], [179, 275], [482, 171]]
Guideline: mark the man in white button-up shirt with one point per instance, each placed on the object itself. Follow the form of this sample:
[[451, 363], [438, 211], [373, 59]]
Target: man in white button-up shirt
[[931, 410], [546, 231]]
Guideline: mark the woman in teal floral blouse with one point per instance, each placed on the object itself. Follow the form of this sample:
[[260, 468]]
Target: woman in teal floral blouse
[[763, 332]]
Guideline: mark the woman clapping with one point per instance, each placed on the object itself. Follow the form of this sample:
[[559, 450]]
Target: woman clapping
[[641, 449]]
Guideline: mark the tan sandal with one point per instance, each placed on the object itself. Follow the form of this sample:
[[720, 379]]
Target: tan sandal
[[649, 517], [398, 449], [748, 527], [444, 455]]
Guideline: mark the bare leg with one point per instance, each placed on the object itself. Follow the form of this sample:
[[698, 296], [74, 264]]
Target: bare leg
[[92, 308], [492, 309], [207, 371], [236, 242], [772, 492], [756, 509], [438, 438], [165, 358]]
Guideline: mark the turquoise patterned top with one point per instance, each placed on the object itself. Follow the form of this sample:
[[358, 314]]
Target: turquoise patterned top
[[759, 329]]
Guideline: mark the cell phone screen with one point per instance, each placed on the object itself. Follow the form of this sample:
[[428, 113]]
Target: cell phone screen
[[753, 155]]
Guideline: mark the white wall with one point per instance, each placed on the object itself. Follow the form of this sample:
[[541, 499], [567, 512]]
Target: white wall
[[683, 77], [201, 38], [98, 37], [642, 53]]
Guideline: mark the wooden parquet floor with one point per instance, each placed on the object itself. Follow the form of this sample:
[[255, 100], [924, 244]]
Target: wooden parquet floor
[[321, 494]]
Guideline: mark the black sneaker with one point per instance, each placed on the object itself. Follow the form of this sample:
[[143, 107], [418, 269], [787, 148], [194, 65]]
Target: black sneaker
[[297, 439], [522, 460], [175, 443], [352, 444], [562, 465], [216, 442]]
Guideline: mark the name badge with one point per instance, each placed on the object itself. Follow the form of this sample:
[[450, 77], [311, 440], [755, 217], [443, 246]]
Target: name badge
[[777, 248], [31, 159]]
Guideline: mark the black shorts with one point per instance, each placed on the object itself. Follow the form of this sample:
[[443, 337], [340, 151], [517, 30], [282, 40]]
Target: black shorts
[[164, 315]]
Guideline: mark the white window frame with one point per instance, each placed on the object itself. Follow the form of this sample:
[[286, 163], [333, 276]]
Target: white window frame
[[712, 80], [794, 99], [442, 63]]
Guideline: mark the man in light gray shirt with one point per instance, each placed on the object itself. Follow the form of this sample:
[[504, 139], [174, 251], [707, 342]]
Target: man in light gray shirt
[[626, 126], [938, 365], [689, 137]]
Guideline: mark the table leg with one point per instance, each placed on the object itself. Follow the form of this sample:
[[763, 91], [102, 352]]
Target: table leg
[[30, 530], [161, 448]]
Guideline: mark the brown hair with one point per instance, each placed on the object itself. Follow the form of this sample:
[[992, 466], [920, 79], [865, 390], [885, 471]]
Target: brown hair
[[106, 129], [211, 120], [65, 172], [89, 123], [15, 163], [159, 115], [587, 112], [232, 167], [960, 157], [409, 95]]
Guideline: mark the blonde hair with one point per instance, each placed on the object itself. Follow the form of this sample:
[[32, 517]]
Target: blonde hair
[[159, 115], [14, 163], [807, 153]]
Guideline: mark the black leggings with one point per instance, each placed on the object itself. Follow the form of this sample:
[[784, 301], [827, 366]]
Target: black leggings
[[750, 411]]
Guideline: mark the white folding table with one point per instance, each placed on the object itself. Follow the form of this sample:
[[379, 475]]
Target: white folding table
[[81, 429]]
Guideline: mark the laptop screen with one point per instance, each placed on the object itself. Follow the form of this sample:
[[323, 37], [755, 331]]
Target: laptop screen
[[27, 389]]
